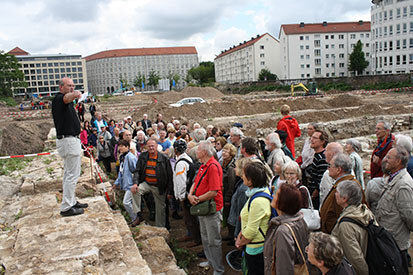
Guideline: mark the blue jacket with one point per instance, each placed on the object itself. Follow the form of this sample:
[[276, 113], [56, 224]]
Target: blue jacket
[[125, 177]]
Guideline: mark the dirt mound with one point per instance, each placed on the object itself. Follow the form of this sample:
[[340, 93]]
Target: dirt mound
[[344, 100], [24, 137], [204, 92]]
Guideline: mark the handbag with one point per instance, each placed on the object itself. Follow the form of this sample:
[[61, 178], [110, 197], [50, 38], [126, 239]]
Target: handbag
[[311, 215], [204, 208], [298, 268]]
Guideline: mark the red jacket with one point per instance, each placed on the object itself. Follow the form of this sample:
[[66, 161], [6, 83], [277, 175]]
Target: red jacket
[[383, 146], [289, 125]]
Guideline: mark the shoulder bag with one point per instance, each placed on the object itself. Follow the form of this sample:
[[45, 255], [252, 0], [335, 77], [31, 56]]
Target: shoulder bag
[[204, 208], [311, 215]]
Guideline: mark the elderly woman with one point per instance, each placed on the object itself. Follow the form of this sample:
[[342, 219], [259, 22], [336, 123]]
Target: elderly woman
[[220, 142], [287, 235], [325, 252], [273, 145], [229, 180], [254, 217], [353, 237], [140, 141], [292, 174], [307, 153], [278, 179], [352, 148]]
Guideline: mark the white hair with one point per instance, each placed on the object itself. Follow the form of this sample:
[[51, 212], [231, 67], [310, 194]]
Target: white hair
[[199, 134], [236, 132], [404, 142], [206, 146], [274, 138]]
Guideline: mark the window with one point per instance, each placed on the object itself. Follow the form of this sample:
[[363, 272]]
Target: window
[[341, 65], [302, 66], [261, 47], [301, 37], [38, 71], [317, 71], [404, 27], [341, 55], [397, 44], [410, 58], [341, 36], [411, 43], [307, 66], [397, 59], [385, 31], [390, 14], [361, 35], [307, 37], [411, 26], [317, 52], [317, 43], [307, 47], [352, 36], [391, 30], [404, 11], [385, 46], [398, 28], [398, 13], [307, 56], [411, 10], [404, 59], [385, 15], [367, 35], [262, 63], [390, 60], [302, 56], [332, 36], [327, 56], [327, 46], [262, 55], [341, 46], [317, 62], [301, 47], [385, 61], [302, 75], [332, 46], [327, 65], [38, 65]]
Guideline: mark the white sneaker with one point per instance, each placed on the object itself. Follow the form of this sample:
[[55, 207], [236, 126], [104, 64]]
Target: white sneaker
[[204, 264]]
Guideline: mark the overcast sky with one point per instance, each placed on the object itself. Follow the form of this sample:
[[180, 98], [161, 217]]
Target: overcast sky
[[89, 26]]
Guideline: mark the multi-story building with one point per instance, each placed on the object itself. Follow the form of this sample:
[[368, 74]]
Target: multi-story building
[[43, 72], [106, 69], [392, 36], [321, 49], [244, 62]]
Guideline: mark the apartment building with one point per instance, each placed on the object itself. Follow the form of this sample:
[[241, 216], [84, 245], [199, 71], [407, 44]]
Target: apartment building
[[105, 69], [42, 72], [392, 36], [320, 49], [244, 62]]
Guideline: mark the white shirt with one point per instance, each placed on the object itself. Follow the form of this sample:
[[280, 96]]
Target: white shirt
[[326, 184]]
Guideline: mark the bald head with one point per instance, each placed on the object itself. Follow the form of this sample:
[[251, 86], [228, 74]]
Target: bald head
[[332, 149]]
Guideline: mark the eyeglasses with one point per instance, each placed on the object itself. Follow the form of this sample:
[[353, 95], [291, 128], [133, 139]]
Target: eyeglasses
[[315, 138]]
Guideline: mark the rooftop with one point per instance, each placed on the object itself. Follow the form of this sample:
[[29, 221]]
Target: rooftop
[[243, 45], [326, 27], [142, 52]]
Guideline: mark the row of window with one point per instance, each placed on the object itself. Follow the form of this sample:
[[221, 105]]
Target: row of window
[[383, 61], [330, 46], [51, 82], [388, 30], [388, 14], [56, 76], [340, 36], [55, 64], [55, 70], [388, 45], [318, 73]]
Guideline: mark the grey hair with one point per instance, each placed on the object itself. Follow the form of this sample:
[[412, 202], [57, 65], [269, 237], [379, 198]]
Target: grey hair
[[206, 146], [141, 132], [350, 190], [236, 132], [343, 161], [327, 249], [402, 155], [404, 142], [274, 138], [294, 166], [355, 144], [315, 125], [199, 134], [386, 124], [196, 124]]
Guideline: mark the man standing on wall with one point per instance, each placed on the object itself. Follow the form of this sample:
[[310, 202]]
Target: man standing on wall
[[68, 144]]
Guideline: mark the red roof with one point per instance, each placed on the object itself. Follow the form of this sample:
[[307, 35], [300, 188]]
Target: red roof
[[330, 27], [246, 44], [18, 51], [141, 52]]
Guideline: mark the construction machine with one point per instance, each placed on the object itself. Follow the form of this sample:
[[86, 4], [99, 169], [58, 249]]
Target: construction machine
[[312, 90]]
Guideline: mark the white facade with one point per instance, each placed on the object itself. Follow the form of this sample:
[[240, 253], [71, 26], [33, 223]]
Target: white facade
[[392, 36], [244, 62], [105, 70], [321, 50], [43, 72]]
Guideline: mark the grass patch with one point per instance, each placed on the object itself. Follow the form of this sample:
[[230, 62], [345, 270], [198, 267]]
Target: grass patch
[[8, 100], [184, 257], [49, 170], [8, 166], [18, 215], [47, 161]]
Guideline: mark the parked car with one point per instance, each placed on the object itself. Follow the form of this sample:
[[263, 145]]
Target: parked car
[[129, 93], [188, 100]]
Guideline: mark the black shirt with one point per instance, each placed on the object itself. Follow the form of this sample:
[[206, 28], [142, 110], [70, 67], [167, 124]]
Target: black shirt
[[65, 119]]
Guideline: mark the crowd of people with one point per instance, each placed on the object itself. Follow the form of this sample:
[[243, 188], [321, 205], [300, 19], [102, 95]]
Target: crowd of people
[[258, 189]]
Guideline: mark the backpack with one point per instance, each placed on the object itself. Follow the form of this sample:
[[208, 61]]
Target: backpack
[[190, 175], [383, 253], [273, 211]]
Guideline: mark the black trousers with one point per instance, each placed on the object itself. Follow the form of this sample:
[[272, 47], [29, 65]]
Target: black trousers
[[255, 264], [405, 259]]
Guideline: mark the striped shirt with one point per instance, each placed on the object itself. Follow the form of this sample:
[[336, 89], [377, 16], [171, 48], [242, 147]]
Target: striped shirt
[[150, 172], [317, 169]]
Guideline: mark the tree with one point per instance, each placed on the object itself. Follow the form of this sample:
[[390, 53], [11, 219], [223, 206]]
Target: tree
[[10, 74], [265, 75], [176, 77], [153, 78], [139, 79], [358, 62], [123, 80], [204, 73]]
